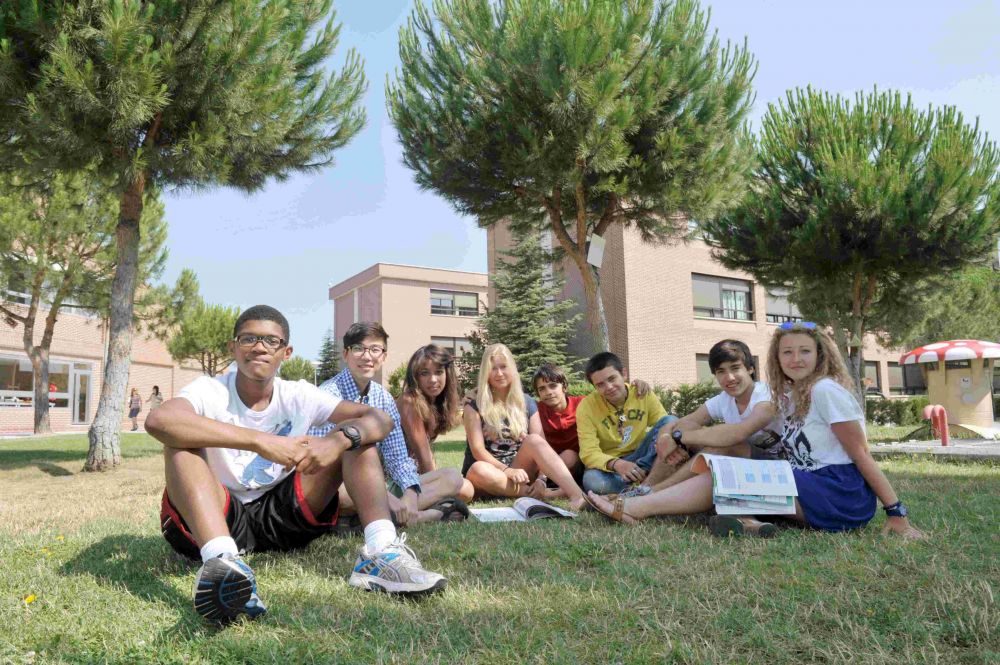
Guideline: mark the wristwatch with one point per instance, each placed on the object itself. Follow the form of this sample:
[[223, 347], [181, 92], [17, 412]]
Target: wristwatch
[[678, 435], [353, 435], [896, 510]]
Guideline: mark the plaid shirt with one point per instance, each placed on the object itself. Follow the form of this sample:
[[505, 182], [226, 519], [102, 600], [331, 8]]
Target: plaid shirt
[[395, 457]]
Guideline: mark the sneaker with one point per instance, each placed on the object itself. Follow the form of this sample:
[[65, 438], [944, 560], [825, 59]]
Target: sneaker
[[730, 525], [635, 490], [394, 570], [225, 588]]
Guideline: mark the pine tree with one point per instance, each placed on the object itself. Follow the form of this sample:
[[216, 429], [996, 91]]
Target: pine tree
[[204, 335], [179, 93], [57, 247], [862, 208], [572, 116], [528, 315], [329, 358], [297, 368]]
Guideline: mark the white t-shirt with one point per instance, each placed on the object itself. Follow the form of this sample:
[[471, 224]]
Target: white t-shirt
[[295, 407], [723, 407], [810, 443]]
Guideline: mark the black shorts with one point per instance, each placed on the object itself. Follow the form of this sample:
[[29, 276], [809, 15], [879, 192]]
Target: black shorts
[[279, 520]]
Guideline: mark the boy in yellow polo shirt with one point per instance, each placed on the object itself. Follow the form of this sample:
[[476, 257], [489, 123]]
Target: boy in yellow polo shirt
[[617, 428]]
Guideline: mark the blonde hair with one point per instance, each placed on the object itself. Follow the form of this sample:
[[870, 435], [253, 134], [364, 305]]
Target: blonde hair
[[513, 409], [829, 365]]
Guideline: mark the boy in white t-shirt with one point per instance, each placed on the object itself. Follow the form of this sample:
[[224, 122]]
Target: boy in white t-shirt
[[751, 425], [242, 475]]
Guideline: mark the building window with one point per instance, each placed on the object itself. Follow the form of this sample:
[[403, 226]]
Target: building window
[[453, 303], [722, 298], [906, 380], [872, 380], [779, 308], [702, 370], [17, 383], [457, 345]]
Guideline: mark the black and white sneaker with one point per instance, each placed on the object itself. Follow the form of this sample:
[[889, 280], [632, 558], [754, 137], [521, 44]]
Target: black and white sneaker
[[394, 570], [226, 588]]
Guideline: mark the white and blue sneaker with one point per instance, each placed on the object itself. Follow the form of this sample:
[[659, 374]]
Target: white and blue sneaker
[[394, 570], [226, 588]]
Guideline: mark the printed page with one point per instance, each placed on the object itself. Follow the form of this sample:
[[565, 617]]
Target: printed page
[[735, 475], [525, 504], [505, 514]]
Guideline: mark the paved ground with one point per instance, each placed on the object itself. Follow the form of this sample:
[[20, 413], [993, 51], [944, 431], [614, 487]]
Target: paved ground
[[958, 449]]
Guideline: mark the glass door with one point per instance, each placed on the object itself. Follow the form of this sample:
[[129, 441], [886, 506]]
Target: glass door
[[81, 396]]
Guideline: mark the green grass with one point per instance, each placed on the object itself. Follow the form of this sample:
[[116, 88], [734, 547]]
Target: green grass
[[108, 589]]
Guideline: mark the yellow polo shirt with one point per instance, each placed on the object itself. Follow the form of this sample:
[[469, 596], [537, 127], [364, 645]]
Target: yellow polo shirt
[[597, 426]]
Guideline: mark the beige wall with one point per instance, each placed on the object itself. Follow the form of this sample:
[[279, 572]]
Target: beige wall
[[399, 297], [650, 308], [80, 339]]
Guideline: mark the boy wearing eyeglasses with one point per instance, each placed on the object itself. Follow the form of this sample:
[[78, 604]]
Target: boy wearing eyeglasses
[[412, 498], [241, 474], [617, 428]]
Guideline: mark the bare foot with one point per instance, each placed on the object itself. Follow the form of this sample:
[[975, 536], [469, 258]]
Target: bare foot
[[615, 510], [537, 489]]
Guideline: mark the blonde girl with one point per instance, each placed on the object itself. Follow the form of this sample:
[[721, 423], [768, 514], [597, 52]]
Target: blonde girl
[[505, 448]]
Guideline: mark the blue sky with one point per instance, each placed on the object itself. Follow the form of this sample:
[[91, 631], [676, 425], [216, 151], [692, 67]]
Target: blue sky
[[284, 245]]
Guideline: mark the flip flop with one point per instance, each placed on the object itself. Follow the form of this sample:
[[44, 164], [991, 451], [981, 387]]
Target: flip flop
[[618, 513], [449, 507]]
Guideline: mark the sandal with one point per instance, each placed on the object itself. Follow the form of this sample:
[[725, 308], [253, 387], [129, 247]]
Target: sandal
[[451, 507], [723, 526], [617, 514]]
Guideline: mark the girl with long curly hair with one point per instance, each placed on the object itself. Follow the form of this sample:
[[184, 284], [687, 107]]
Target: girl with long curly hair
[[429, 405]]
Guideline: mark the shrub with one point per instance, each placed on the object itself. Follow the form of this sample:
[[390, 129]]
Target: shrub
[[396, 380], [579, 388], [909, 411], [685, 397]]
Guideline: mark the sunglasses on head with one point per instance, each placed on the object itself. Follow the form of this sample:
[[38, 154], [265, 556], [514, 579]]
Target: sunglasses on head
[[798, 325]]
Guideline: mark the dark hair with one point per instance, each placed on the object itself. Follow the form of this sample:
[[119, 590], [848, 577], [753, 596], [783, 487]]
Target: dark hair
[[156, 390], [443, 414], [549, 372], [730, 351], [263, 313], [601, 361], [358, 331]]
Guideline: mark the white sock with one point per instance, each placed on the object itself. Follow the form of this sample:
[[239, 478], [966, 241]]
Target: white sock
[[379, 535], [217, 547]]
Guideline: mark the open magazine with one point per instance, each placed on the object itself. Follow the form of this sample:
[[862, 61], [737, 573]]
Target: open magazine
[[749, 487], [524, 509]]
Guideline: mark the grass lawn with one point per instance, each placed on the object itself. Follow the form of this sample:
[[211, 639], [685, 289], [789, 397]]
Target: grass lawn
[[103, 586]]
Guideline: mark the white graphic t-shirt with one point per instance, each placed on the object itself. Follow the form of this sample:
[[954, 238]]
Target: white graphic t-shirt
[[295, 407], [723, 407], [809, 442]]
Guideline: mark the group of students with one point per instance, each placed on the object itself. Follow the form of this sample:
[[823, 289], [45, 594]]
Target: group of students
[[256, 463]]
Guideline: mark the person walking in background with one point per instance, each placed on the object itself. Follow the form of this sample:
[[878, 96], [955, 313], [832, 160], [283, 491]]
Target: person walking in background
[[155, 398], [134, 407]]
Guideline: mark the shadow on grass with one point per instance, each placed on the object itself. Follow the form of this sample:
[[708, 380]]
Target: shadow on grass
[[139, 565], [25, 454]]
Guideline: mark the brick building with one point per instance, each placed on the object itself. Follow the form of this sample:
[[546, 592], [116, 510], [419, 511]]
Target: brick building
[[416, 306], [667, 305], [76, 371]]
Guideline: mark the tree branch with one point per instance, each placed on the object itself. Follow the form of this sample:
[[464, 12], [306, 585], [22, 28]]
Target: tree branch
[[554, 207], [608, 216]]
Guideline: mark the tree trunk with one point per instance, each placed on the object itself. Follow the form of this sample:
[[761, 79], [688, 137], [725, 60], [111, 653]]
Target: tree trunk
[[39, 356], [596, 320], [105, 449]]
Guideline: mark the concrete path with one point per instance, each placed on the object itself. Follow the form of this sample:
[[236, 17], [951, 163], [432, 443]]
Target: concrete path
[[957, 450]]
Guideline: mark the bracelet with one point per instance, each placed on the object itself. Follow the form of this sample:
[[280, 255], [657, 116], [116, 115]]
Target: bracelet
[[611, 465]]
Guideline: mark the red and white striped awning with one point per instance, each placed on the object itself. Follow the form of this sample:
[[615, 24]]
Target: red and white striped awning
[[957, 349]]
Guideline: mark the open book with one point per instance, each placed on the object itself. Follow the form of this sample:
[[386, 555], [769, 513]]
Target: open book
[[524, 509], [749, 487]]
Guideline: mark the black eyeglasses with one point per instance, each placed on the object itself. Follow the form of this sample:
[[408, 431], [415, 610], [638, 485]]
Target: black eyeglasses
[[796, 325], [358, 350], [270, 342]]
